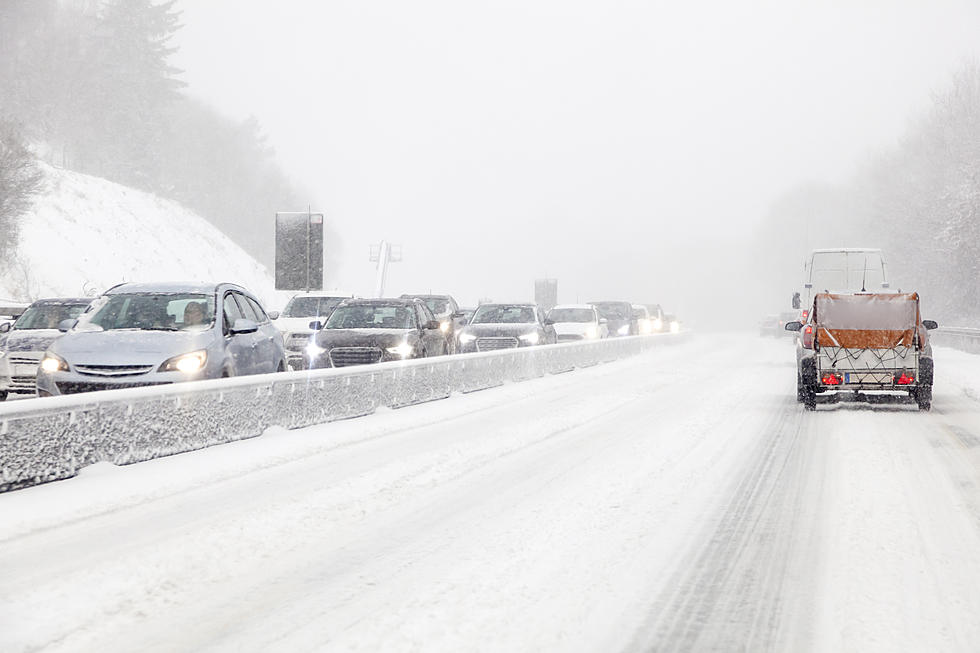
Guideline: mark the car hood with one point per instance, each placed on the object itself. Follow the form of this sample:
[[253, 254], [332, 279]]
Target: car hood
[[329, 338], [118, 347], [30, 339], [573, 328], [296, 324], [490, 330]]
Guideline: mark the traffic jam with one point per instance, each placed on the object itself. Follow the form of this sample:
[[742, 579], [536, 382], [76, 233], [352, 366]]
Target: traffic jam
[[145, 334]]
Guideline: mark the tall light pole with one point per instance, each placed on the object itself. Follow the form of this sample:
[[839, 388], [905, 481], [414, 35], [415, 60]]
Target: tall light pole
[[383, 254]]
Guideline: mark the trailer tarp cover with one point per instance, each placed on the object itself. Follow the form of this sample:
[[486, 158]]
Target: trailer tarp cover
[[866, 321]]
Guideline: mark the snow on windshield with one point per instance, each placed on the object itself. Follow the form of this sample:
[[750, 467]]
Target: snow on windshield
[[156, 312], [48, 315], [504, 314], [371, 317]]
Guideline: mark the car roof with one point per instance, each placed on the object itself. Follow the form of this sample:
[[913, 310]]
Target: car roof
[[379, 301], [411, 296], [171, 286], [63, 300], [586, 306], [325, 294], [527, 304]]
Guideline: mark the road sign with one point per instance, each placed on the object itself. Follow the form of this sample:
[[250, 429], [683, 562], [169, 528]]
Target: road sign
[[299, 251]]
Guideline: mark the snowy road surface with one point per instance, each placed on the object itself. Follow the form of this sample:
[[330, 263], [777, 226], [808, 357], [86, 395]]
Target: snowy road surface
[[677, 501]]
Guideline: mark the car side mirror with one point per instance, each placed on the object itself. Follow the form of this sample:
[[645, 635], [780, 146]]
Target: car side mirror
[[432, 324], [273, 315], [793, 326], [5, 327], [316, 325], [457, 315], [930, 324], [463, 321], [65, 325], [549, 322], [244, 325]]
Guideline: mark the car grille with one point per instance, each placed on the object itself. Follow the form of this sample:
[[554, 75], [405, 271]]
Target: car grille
[[74, 387], [297, 341], [24, 360], [491, 344], [21, 383], [344, 356], [562, 337], [23, 376], [113, 370]]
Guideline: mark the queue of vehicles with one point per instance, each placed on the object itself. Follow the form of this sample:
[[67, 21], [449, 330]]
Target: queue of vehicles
[[141, 334]]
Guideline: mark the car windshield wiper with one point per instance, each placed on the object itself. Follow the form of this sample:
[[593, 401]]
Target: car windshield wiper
[[160, 328]]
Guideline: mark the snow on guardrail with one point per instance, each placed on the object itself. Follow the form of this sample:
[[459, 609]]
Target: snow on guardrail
[[49, 439], [962, 338]]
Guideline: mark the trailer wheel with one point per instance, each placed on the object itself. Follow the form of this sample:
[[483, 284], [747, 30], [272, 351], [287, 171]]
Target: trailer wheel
[[923, 397]]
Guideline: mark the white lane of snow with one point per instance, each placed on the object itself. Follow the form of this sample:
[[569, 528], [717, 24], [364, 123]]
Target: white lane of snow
[[682, 495]]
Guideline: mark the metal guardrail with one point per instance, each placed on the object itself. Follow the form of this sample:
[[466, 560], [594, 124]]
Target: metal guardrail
[[52, 438], [962, 338]]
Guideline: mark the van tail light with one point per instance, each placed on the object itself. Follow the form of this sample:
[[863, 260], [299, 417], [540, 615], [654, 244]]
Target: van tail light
[[832, 379], [904, 379], [806, 314]]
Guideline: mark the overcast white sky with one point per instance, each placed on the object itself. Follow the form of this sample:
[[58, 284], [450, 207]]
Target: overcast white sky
[[624, 148]]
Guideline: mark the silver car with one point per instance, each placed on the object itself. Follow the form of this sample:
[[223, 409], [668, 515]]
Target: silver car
[[149, 334], [23, 342]]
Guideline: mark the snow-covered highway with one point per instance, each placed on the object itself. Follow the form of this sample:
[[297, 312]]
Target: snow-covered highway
[[680, 500]]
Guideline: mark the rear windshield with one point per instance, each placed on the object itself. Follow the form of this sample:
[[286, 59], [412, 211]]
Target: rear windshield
[[571, 315], [48, 316], [156, 312], [494, 314], [372, 316]]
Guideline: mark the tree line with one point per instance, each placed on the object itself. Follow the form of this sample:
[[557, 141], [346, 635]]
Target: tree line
[[89, 85], [919, 201]]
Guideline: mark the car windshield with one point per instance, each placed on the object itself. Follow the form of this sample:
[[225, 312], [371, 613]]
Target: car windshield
[[372, 316], [311, 306], [156, 312], [503, 314], [614, 310], [572, 315], [437, 305], [48, 315]]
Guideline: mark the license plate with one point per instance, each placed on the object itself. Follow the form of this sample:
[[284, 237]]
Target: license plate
[[847, 377]]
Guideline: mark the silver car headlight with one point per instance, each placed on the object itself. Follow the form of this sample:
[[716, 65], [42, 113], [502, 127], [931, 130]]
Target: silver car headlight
[[313, 350], [531, 338], [53, 363], [186, 363], [466, 338]]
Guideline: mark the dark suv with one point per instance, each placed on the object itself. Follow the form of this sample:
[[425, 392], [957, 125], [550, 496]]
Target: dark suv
[[362, 331], [446, 310], [619, 318]]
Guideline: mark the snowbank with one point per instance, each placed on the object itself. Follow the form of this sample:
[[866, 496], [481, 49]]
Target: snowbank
[[85, 234]]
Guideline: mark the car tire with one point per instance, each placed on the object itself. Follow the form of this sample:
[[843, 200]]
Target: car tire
[[3, 395], [923, 397], [808, 383], [282, 366]]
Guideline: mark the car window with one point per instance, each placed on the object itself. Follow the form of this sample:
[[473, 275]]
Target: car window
[[231, 311], [259, 311], [246, 307], [504, 314], [48, 316], [372, 316], [154, 311], [572, 315]]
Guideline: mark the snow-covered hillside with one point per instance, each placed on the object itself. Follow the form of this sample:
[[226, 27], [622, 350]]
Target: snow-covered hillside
[[85, 234]]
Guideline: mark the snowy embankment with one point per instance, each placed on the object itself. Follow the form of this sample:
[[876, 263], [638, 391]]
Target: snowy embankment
[[648, 504], [85, 234]]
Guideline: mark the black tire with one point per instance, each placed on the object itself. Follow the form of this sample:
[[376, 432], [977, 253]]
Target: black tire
[[282, 366], [808, 383], [3, 395], [923, 397]]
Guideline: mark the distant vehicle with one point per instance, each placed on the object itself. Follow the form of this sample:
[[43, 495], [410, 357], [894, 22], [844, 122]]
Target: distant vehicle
[[769, 326], [658, 319], [365, 331], [578, 322], [853, 343], [294, 322], [22, 343], [467, 315], [673, 323], [507, 326], [619, 317], [140, 334], [446, 310], [842, 270], [643, 322]]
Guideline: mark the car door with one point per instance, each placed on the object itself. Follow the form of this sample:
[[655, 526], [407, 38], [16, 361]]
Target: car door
[[434, 339], [267, 353], [240, 346]]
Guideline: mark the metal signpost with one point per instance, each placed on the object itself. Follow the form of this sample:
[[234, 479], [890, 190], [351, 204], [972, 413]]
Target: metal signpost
[[299, 250]]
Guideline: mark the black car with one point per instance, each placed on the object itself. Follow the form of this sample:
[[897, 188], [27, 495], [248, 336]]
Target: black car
[[506, 326], [363, 331], [619, 318], [446, 310]]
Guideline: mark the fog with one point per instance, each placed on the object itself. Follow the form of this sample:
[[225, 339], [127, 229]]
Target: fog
[[628, 149]]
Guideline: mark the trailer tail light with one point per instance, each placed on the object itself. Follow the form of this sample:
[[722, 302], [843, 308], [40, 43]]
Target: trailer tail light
[[809, 330], [832, 379], [904, 379]]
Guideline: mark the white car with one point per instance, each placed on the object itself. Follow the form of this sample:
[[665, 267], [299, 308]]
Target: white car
[[300, 311], [578, 322]]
